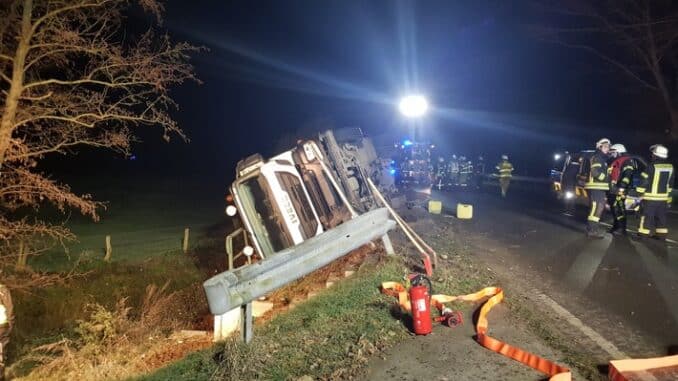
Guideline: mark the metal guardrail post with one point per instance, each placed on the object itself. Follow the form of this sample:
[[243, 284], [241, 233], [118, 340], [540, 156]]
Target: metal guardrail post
[[388, 246], [246, 323]]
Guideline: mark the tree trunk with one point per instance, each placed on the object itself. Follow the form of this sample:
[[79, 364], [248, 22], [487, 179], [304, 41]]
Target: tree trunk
[[672, 130], [16, 87]]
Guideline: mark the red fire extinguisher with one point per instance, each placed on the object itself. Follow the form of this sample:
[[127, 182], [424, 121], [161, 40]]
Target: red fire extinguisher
[[420, 301]]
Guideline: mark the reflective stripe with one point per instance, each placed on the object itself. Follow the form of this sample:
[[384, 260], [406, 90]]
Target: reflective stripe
[[644, 175], [655, 197], [592, 215], [641, 228], [662, 231], [596, 165], [640, 189], [626, 180], [601, 177], [628, 167], [599, 186]]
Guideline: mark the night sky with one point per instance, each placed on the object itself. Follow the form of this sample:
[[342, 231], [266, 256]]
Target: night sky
[[278, 69]]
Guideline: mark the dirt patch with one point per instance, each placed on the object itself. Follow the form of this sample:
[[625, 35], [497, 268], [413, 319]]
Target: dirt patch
[[173, 350], [289, 296]]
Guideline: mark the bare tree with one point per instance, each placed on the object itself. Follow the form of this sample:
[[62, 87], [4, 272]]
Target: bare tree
[[636, 37], [71, 76]]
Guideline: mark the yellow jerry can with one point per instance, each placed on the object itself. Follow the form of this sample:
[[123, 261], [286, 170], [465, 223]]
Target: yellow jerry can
[[435, 207], [464, 211]]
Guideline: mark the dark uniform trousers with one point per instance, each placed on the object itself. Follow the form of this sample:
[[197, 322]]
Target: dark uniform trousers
[[618, 208], [597, 198], [653, 217]]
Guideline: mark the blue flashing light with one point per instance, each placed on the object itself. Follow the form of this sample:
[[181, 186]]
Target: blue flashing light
[[392, 171], [407, 143]]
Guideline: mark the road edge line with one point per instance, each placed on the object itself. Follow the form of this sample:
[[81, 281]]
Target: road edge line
[[597, 338]]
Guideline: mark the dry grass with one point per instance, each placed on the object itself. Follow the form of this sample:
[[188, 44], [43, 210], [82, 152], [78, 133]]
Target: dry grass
[[111, 343]]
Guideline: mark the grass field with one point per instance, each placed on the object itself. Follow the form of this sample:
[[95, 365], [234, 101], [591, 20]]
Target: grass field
[[146, 222], [143, 219]]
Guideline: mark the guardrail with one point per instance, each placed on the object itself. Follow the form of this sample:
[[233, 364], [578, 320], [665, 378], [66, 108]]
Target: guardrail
[[238, 288]]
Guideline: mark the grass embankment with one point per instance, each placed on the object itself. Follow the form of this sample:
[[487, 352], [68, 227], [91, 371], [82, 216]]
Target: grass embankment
[[101, 295], [331, 336]]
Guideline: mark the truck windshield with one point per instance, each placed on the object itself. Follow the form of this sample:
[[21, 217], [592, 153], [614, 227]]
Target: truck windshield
[[302, 206], [267, 223]]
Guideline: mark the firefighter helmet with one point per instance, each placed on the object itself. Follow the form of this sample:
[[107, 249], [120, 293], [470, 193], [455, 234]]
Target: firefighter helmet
[[602, 142], [618, 148], [660, 151], [504, 157]]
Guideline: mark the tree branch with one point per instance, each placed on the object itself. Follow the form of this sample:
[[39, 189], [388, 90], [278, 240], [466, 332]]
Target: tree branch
[[85, 81], [610, 60], [58, 11]]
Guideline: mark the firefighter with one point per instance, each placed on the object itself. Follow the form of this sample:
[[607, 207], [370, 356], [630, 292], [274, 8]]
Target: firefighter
[[441, 175], [6, 323], [655, 191], [454, 171], [621, 171], [505, 170], [465, 171], [479, 172], [597, 187]]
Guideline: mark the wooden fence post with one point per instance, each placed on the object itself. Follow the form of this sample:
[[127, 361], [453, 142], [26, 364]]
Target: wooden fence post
[[109, 249], [186, 232], [21, 261]]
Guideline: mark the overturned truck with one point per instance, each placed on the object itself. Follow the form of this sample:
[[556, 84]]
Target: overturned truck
[[300, 210], [303, 192]]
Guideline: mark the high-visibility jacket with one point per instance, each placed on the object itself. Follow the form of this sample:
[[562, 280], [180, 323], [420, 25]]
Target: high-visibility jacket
[[454, 166], [621, 172], [466, 168], [657, 181], [598, 175], [505, 168]]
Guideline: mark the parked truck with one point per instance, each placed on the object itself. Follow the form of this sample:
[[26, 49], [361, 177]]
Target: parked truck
[[300, 193]]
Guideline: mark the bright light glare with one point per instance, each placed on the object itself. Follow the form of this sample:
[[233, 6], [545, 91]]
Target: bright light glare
[[231, 210], [557, 156], [569, 195], [413, 106]]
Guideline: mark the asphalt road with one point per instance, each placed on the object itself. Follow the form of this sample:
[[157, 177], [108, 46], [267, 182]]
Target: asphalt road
[[615, 284]]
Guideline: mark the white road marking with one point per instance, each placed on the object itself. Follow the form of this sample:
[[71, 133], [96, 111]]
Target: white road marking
[[603, 343], [662, 276], [584, 268], [669, 240]]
